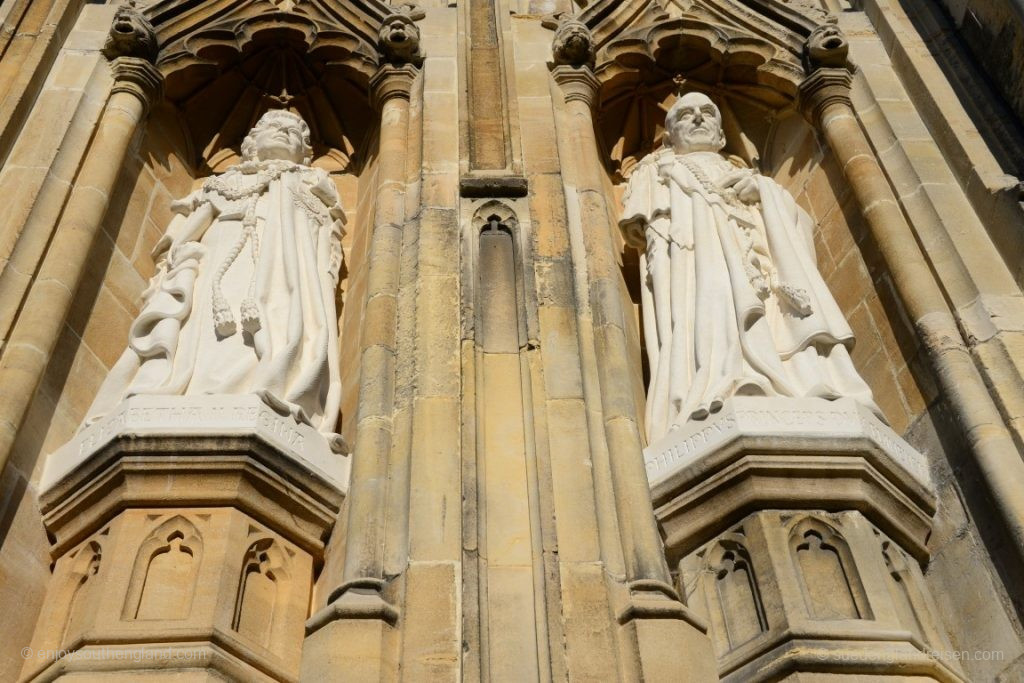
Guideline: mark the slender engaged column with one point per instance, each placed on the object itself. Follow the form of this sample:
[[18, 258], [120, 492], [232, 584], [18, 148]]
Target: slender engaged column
[[349, 632], [644, 555], [660, 626], [38, 326], [825, 98], [364, 552]]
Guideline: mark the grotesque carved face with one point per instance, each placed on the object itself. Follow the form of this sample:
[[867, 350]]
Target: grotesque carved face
[[694, 124], [573, 44], [399, 39], [827, 46], [131, 35], [278, 135]]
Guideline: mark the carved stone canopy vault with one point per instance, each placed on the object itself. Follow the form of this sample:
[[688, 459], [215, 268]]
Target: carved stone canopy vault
[[746, 53], [227, 62]]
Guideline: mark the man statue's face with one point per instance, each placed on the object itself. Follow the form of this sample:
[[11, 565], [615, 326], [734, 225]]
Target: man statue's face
[[695, 125], [279, 139]]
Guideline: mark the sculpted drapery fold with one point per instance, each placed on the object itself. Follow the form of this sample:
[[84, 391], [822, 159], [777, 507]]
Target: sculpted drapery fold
[[243, 300], [733, 303]]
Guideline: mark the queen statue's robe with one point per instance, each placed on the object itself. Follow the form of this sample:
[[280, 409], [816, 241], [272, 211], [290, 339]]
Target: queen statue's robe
[[243, 300], [733, 303]]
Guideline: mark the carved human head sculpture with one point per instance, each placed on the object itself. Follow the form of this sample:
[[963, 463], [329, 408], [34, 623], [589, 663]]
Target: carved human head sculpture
[[278, 135], [694, 124], [399, 40], [131, 35], [573, 44], [827, 47]]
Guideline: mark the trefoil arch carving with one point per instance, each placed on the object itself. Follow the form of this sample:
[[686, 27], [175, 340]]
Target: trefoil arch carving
[[265, 581], [165, 572], [826, 571]]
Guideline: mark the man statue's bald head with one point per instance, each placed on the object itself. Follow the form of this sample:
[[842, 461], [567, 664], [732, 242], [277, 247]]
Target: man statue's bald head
[[694, 124]]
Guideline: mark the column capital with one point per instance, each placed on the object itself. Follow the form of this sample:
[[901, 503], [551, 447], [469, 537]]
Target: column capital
[[392, 81], [578, 83], [823, 87], [138, 77]]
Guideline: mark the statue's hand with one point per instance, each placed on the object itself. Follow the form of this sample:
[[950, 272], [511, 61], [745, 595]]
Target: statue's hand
[[744, 184]]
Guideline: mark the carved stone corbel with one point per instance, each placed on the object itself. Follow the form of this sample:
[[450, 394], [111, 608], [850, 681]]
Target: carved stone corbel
[[398, 38], [131, 35], [573, 44], [132, 49], [572, 64]]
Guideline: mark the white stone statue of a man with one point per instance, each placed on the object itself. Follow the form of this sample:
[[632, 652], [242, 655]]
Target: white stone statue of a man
[[243, 300], [733, 303]]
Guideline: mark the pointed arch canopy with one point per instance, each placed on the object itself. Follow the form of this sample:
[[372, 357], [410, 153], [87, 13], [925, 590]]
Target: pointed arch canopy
[[748, 52], [226, 62]]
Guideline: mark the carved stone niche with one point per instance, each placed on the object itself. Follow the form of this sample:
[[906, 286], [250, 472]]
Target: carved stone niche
[[798, 527], [193, 552], [790, 593], [227, 62]]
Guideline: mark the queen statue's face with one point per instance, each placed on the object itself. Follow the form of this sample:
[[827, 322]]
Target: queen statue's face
[[278, 140], [695, 125]]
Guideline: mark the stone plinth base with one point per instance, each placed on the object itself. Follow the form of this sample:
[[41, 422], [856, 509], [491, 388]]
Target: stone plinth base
[[797, 528], [245, 415], [770, 453], [801, 592], [187, 552]]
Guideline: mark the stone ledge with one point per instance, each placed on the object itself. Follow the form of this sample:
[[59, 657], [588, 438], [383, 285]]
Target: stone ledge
[[484, 186], [174, 472], [199, 650], [874, 657], [182, 417], [795, 424], [758, 454]]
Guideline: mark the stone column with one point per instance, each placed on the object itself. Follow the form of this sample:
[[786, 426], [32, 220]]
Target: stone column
[[36, 331], [179, 551], [669, 638], [825, 99], [348, 635]]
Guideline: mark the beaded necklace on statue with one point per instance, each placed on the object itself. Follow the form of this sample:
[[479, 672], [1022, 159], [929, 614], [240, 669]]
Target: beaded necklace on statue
[[229, 187], [728, 194], [753, 267], [761, 273]]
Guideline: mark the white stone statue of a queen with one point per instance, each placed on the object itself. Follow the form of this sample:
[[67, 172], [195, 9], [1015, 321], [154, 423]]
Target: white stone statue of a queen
[[243, 300], [733, 303]]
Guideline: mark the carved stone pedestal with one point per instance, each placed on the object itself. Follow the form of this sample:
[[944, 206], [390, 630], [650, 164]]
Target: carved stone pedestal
[[798, 527], [186, 534]]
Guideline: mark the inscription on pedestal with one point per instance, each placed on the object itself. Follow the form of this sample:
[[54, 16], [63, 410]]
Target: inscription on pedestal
[[777, 418], [212, 415]]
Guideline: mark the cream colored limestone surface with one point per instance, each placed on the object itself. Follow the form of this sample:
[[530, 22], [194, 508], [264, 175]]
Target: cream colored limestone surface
[[243, 298], [733, 302], [589, 329]]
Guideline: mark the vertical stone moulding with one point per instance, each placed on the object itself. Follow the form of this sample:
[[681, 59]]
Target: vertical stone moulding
[[510, 586]]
